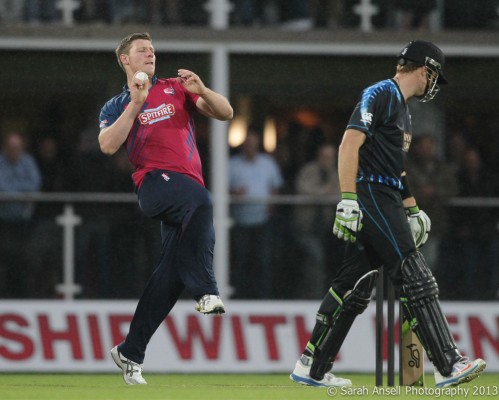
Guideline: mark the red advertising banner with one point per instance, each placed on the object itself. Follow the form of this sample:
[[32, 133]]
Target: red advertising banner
[[253, 336]]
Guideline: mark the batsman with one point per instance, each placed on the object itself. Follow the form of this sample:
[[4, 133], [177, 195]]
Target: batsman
[[380, 219]]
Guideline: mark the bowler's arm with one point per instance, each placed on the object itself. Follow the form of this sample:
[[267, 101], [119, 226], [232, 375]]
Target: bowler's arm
[[112, 137], [214, 105]]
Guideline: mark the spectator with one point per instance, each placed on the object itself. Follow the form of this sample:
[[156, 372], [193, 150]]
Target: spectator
[[121, 11], [11, 11], [18, 173], [44, 247], [159, 12], [92, 172], [252, 174], [52, 166], [456, 147], [40, 11], [291, 14], [296, 15], [473, 253], [416, 14], [301, 141], [317, 243], [248, 12], [93, 11], [328, 13], [129, 234], [475, 180], [433, 183], [467, 14], [192, 13]]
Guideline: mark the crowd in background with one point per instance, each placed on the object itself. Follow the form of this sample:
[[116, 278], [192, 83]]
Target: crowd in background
[[286, 14], [32, 239], [284, 251]]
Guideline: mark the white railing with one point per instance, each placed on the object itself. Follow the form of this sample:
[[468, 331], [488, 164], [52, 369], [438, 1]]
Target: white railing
[[69, 219]]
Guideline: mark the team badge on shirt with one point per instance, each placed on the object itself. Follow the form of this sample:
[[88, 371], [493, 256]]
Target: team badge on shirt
[[367, 118], [170, 91], [407, 141]]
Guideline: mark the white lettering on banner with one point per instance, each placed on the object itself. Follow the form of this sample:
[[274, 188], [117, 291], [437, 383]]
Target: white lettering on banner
[[77, 336]]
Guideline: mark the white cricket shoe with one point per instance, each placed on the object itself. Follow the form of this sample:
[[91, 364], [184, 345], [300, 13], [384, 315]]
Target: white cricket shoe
[[301, 374], [132, 372], [462, 371], [210, 304]]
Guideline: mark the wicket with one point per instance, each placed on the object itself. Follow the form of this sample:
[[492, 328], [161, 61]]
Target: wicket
[[390, 330], [410, 355]]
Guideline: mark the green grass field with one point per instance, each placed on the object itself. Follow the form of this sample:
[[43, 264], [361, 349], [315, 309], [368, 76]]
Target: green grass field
[[216, 386]]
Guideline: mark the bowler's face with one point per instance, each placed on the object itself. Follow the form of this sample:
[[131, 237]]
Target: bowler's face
[[141, 57]]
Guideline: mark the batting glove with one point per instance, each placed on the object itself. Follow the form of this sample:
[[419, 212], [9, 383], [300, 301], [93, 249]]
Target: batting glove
[[348, 218], [420, 225]]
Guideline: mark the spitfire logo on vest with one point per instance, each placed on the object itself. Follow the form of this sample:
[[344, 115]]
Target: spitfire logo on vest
[[164, 111]]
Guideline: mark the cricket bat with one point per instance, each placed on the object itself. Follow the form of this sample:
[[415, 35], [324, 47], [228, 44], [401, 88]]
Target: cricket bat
[[411, 357]]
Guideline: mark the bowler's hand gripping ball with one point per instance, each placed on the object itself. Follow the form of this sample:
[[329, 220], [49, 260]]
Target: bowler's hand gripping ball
[[142, 76]]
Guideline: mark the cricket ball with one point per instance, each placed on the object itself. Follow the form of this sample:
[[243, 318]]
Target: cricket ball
[[142, 76]]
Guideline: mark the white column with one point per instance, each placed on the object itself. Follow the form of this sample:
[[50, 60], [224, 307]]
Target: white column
[[366, 10], [67, 7], [438, 14], [68, 220], [219, 11], [219, 172]]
